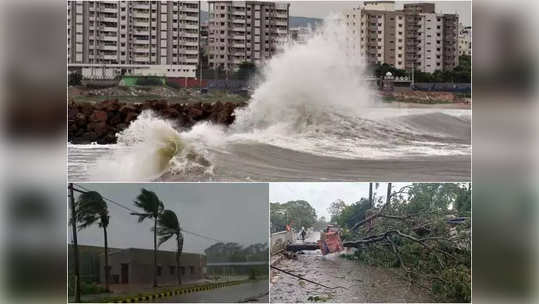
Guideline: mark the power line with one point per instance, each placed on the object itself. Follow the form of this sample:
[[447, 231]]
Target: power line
[[108, 199], [134, 211]]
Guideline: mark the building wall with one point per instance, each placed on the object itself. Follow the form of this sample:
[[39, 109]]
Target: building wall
[[450, 41], [413, 38], [465, 41], [138, 32], [241, 31], [430, 47], [140, 266]]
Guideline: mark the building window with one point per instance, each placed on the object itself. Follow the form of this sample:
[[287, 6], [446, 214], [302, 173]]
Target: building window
[[192, 269], [172, 268], [159, 271]]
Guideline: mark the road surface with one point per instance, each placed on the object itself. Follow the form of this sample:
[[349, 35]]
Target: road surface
[[249, 292], [362, 283]]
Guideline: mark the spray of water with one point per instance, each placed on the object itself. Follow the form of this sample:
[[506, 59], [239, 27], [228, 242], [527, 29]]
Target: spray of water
[[305, 81], [146, 149]]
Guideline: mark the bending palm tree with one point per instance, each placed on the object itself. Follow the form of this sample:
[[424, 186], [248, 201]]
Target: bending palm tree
[[168, 226], [90, 208], [153, 207]]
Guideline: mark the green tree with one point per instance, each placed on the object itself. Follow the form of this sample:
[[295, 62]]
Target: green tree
[[278, 217], [301, 214], [168, 226], [463, 200], [91, 208], [152, 207], [297, 213], [431, 197], [336, 208], [353, 213], [245, 70], [74, 79]]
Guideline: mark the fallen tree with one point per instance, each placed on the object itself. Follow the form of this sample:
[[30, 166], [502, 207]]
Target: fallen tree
[[419, 230]]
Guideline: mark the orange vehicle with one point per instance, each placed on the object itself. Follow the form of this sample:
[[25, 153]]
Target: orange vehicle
[[330, 240]]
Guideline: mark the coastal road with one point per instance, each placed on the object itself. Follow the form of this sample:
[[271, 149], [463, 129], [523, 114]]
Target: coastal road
[[249, 292]]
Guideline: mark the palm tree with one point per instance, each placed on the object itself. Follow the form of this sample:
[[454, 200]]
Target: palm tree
[[91, 208], [168, 226], [153, 207]]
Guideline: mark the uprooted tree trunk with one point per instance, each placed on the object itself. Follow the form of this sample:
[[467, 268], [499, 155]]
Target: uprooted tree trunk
[[300, 247]]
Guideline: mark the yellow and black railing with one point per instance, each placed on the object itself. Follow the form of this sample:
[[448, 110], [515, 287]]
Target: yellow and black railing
[[171, 292]]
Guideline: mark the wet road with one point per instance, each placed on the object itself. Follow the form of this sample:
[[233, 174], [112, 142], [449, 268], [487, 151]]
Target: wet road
[[248, 292], [362, 283]]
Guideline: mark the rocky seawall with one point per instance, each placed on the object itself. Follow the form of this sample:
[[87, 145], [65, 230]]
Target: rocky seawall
[[99, 122]]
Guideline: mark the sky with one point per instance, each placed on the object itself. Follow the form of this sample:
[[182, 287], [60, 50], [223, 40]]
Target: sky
[[322, 9], [321, 195], [228, 212]]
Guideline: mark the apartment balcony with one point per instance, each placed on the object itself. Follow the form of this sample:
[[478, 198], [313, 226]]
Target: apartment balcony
[[281, 23], [190, 43], [141, 41], [190, 51], [141, 50], [238, 45], [281, 32], [189, 35], [238, 13], [108, 47], [190, 26], [109, 38], [238, 29], [191, 60], [189, 18], [238, 37], [110, 57], [108, 29], [281, 6], [142, 24], [141, 15], [238, 21], [141, 59], [141, 33], [141, 6], [108, 19], [240, 4], [109, 10], [190, 9]]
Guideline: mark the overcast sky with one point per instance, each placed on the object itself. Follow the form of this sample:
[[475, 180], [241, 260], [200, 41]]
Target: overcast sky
[[228, 212], [321, 9], [321, 195]]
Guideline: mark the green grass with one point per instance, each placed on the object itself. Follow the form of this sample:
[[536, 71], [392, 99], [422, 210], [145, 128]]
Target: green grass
[[209, 97]]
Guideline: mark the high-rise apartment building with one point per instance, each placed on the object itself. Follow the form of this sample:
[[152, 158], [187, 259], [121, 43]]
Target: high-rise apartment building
[[241, 31], [134, 33], [465, 40], [415, 37]]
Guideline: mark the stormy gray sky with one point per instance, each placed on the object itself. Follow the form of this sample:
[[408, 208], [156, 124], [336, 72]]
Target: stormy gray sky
[[321, 195], [228, 212], [321, 9]]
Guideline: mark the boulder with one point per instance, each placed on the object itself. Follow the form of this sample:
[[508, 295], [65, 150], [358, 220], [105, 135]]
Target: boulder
[[99, 116]]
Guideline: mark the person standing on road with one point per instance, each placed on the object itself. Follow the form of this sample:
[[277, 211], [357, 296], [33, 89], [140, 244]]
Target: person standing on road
[[303, 233]]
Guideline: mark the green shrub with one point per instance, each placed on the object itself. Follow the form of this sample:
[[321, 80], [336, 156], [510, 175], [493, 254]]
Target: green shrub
[[74, 79], [149, 81], [252, 274], [173, 84]]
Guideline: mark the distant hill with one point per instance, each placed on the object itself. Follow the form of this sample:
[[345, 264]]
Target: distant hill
[[294, 21]]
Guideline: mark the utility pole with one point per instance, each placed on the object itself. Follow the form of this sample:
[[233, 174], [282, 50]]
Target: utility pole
[[370, 195], [388, 197], [75, 244]]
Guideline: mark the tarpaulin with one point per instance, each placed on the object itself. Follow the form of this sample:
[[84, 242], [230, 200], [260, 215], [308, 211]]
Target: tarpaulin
[[330, 242]]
